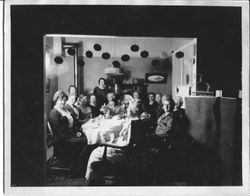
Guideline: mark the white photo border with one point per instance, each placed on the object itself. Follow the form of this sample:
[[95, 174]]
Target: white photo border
[[220, 190]]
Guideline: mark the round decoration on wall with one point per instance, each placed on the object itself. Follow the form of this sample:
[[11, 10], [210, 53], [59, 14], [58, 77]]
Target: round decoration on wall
[[80, 62], [105, 55], [116, 64], [89, 54], [155, 62], [97, 47], [179, 54], [134, 48], [71, 51], [144, 54], [125, 58], [58, 60]]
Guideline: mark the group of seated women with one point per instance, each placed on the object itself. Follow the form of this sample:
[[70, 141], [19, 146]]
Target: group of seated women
[[69, 113]]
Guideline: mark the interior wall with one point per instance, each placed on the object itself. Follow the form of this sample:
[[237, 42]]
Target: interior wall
[[119, 45], [61, 76], [184, 70], [66, 73], [51, 76], [135, 68]]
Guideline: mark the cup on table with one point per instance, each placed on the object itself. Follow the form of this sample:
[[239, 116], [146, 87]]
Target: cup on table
[[112, 137]]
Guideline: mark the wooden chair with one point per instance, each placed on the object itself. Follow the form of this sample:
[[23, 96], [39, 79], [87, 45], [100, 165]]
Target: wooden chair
[[120, 173], [54, 164], [50, 148]]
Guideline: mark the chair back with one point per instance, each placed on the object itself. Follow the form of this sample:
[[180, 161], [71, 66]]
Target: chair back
[[49, 135], [139, 130], [49, 129]]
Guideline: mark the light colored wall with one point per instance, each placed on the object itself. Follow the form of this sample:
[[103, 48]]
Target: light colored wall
[[94, 69], [63, 75], [117, 46], [51, 75], [183, 67], [66, 73]]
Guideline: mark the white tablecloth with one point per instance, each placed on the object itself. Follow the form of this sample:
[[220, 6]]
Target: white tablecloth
[[100, 131]]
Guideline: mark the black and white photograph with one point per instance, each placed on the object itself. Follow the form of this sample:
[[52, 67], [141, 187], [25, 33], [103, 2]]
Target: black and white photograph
[[126, 98]]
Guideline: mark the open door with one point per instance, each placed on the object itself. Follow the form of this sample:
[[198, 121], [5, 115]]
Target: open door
[[184, 68]]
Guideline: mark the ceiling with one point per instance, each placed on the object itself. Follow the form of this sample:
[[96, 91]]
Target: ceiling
[[157, 47]]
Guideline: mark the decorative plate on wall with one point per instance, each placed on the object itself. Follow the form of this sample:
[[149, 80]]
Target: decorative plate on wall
[[156, 78]]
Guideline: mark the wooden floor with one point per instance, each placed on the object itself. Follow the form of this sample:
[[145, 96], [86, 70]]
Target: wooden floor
[[55, 180]]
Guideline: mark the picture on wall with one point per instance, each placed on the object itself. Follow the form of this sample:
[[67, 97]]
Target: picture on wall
[[156, 78]]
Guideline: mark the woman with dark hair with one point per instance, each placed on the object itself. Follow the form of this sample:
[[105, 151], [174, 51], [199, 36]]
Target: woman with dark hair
[[151, 106], [137, 97], [85, 112], [101, 93], [73, 110], [68, 143], [92, 105], [158, 100], [72, 90]]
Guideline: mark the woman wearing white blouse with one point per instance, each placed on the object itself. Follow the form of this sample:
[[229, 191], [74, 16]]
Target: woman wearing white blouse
[[114, 154]]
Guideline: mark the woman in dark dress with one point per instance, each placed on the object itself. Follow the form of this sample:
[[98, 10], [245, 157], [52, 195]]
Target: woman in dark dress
[[101, 93], [92, 105], [137, 97], [158, 100], [73, 110], [151, 106], [181, 119], [68, 143], [85, 111]]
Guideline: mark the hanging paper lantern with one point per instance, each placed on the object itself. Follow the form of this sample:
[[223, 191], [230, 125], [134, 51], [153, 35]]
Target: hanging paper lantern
[[71, 51], [80, 62], [155, 62], [116, 64], [97, 47], [144, 54], [134, 48], [179, 54], [125, 58], [89, 54], [58, 60], [105, 55]]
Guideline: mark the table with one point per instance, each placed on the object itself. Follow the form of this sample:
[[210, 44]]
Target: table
[[100, 131]]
